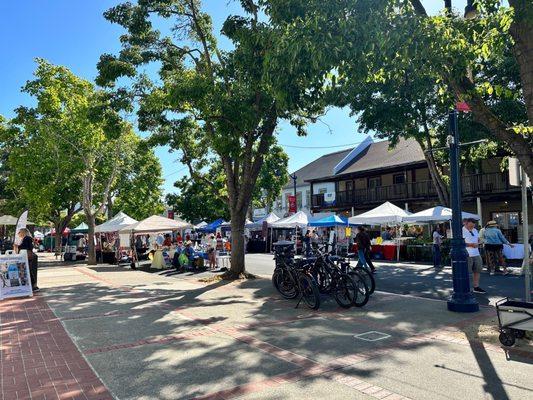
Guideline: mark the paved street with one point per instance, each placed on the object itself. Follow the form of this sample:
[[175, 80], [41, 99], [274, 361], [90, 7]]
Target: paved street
[[150, 336], [416, 279]]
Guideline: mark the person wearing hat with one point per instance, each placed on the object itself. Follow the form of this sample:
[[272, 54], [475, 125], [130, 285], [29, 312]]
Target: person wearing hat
[[475, 263], [494, 241]]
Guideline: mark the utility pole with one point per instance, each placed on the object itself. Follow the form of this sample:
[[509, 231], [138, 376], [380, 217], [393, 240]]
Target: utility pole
[[462, 299]]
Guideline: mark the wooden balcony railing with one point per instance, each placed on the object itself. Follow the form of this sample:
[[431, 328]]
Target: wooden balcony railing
[[471, 185]]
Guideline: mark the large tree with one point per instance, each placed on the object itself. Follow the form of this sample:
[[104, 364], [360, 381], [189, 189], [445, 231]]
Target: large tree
[[137, 191], [68, 148], [394, 42], [210, 102], [197, 201]]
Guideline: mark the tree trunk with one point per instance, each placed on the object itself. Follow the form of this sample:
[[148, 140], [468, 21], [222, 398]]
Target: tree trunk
[[109, 207], [91, 222], [58, 236], [442, 189], [237, 243]]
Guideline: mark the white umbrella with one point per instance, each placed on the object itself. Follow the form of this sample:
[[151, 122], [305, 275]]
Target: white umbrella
[[437, 214], [387, 213], [11, 220], [115, 224], [156, 223]]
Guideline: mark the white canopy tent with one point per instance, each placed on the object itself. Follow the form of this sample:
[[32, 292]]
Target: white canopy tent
[[298, 220], [437, 214], [385, 214], [155, 224], [228, 223], [115, 224], [200, 225], [269, 219], [11, 220]]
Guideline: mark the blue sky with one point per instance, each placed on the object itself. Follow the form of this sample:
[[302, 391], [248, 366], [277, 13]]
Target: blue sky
[[74, 33]]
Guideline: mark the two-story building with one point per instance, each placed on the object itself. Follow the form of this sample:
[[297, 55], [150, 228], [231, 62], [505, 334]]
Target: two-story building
[[352, 181]]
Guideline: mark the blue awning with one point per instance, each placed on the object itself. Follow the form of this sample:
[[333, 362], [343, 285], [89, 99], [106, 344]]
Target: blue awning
[[332, 220], [212, 227]]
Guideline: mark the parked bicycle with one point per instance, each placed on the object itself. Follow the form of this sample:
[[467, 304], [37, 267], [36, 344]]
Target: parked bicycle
[[292, 278]]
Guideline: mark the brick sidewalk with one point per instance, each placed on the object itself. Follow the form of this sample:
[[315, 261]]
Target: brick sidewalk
[[38, 360]]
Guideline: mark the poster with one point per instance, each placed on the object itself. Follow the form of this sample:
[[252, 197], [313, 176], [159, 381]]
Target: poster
[[292, 204], [15, 276]]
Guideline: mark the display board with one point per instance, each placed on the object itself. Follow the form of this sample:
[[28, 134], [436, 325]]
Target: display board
[[15, 276]]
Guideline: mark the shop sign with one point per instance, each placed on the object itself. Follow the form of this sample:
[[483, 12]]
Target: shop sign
[[15, 276], [292, 204], [329, 199]]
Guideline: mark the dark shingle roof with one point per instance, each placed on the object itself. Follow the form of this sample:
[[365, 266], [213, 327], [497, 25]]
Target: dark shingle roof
[[376, 156], [322, 166]]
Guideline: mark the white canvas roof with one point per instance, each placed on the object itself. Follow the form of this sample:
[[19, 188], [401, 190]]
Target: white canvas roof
[[11, 220], [156, 223], [437, 214], [201, 225], [300, 219], [228, 223], [387, 213], [269, 219], [115, 224]]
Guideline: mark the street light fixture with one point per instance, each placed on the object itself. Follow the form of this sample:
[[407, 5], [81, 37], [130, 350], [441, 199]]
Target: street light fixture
[[470, 10]]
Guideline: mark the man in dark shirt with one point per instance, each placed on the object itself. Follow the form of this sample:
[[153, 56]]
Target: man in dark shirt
[[27, 244], [363, 242]]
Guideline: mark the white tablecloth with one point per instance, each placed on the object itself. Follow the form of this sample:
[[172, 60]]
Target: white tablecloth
[[513, 253]]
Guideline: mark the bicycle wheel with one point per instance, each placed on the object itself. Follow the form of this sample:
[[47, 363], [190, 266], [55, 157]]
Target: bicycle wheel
[[345, 291], [309, 291], [362, 292], [367, 277], [323, 278], [284, 283]]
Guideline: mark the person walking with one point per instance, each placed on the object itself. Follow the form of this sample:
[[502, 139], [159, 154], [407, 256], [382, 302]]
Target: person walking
[[363, 243], [475, 263], [494, 241], [307, 243], [26, 243], [437, 245]]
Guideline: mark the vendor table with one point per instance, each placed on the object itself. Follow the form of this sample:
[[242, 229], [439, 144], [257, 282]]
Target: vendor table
[[158, 260], [513, 253], [224, 261]]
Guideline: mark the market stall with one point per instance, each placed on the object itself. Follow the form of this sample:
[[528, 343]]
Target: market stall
[[436, 215], [295, 222], [157, 224], [385, 214], [258, 242], [110, 230]]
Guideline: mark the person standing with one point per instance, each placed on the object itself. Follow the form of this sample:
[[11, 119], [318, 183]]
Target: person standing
[[307, 243], [386, 234], [363, 242], [437, 244], [26, 243], [211, 252], [475, 263], [494, 241]]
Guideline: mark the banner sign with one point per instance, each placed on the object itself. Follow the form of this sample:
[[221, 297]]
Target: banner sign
[[292, 204], [15, 276], [329, 199], [21, 223]]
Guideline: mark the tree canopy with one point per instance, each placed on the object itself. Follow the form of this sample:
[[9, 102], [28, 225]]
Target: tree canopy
[[210, 102]]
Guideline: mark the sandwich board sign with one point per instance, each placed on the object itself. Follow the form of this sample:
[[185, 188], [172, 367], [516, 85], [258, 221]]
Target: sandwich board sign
[[15, 276]]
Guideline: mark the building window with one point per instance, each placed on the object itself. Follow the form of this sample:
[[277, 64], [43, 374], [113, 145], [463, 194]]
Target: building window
[[348, 186], [374, 182], [308, 198], [398, 179], [299, 200]]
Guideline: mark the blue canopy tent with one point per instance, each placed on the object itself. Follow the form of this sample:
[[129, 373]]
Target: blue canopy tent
[[330, 221], [212, 227]]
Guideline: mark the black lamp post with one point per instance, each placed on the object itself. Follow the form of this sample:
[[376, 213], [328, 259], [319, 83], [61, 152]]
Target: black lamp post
[[462, 299], [294, 177]]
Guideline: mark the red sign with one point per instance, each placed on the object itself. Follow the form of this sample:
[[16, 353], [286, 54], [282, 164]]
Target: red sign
[[292, 204], [462, 106], [170, 214]]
